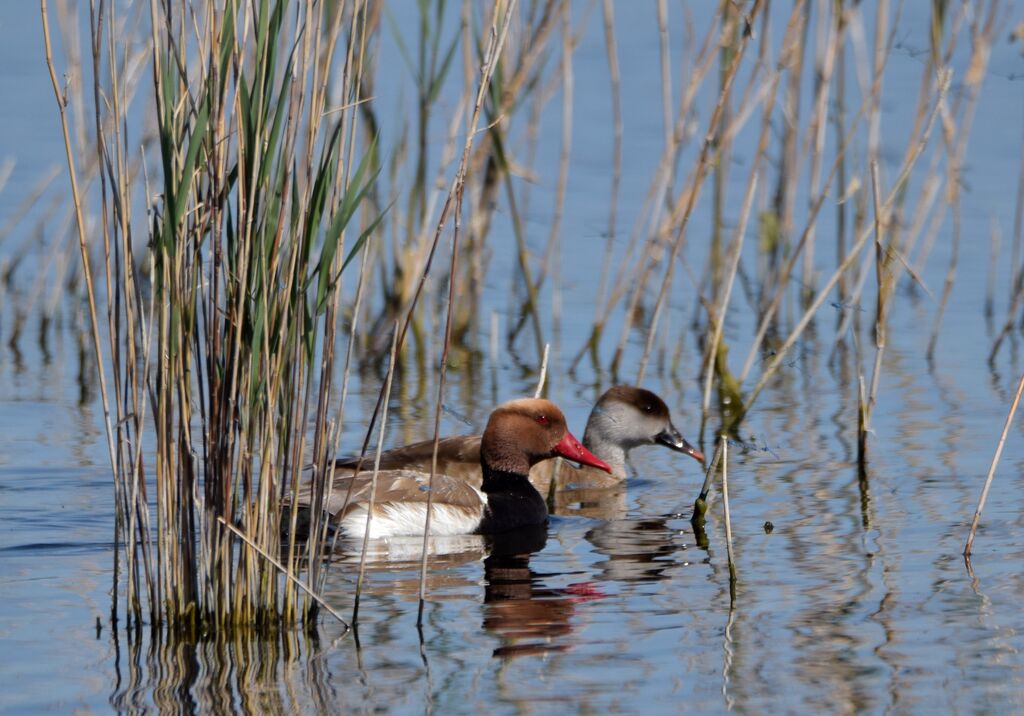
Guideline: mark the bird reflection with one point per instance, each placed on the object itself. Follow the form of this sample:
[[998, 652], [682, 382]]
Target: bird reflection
[[638, 549], [397, 559], [529, 618], [601, 503]]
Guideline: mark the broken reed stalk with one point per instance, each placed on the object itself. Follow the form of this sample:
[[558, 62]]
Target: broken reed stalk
[[992, 468], [283, 570], [701, 504], [543, 372], [884, 288], [728, 518]]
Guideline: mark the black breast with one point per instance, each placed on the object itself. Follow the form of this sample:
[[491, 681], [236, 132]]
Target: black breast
[[512, 502]]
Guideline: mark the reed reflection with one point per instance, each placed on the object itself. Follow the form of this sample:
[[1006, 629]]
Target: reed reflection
[[222, 673]]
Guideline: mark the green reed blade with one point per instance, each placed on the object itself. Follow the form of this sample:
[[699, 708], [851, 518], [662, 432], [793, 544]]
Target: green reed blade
[[195, 143]]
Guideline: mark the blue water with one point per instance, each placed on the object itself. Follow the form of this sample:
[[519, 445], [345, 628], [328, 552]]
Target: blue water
[[856, 600]]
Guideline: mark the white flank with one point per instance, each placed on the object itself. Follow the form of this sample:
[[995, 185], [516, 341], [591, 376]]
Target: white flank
[[394, 519], [408, 550]]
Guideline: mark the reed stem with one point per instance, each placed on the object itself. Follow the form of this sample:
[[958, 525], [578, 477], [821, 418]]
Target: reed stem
[[992, 468]]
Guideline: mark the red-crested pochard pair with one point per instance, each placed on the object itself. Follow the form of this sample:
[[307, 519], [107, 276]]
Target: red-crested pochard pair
[[625, 417], [483, 483], [519, 434]]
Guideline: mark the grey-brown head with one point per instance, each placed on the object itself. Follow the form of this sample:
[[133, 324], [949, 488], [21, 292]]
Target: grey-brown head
[[626, 417]]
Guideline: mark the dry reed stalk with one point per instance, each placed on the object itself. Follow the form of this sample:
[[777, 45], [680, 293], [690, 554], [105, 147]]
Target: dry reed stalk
[[551, 255], [913, 152], [718, 322], [376, 470], [712, 352], [442, 381], [828, 42], [992, 468], [1018, 234], [955, 140], [939, 58], [728, 518], [281, 568], [496, 41], [543, 372], [650, 217], [81, 228], [685, 207], [789, 168], [325, 447], [666, 77], [76, 198], [782, 280], [884, 289], [614, 83]]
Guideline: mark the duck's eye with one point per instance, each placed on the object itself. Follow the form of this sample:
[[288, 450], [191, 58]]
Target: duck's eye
[[648, 408], [542, 419]]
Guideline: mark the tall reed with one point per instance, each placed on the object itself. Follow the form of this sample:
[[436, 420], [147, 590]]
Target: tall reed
[[222, 325]]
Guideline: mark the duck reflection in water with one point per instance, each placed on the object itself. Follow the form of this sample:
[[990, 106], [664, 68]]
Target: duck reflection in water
[[641, 549], [527, 617]]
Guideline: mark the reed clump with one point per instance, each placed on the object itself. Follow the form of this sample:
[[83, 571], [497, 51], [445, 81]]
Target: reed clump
[[220, 327], [219, 335]]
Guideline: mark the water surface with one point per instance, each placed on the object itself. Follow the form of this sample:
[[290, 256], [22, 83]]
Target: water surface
[[856, 599]]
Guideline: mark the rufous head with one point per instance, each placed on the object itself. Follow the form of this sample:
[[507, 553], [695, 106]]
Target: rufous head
[[521, 433]]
